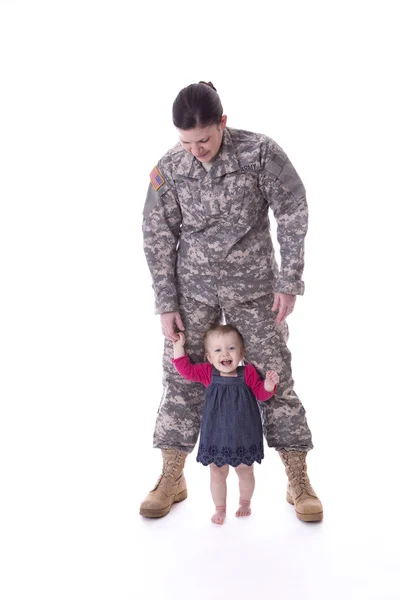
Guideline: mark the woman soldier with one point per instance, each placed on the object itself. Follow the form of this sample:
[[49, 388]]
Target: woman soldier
[[209, 250]]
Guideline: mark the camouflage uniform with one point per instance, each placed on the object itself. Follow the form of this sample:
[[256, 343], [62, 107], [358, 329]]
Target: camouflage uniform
[[208, 246]]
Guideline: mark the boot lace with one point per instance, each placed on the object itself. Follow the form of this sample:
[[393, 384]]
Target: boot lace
[[295, 463], [171, 466]]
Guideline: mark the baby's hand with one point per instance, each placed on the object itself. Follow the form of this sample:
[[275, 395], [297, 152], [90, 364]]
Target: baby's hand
[[179, 345], [271, 380], [181, 339]]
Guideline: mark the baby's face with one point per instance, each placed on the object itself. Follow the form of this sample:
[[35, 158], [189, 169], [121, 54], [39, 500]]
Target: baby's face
[[225, 351]]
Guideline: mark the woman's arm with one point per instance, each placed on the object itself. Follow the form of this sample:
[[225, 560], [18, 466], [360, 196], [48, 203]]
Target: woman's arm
[[285, 194], [161, 229]]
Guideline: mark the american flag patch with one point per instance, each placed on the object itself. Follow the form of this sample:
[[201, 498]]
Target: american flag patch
[[156, 179]]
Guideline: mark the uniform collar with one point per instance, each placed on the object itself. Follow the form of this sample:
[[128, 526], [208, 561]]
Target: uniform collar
[[225, 162]]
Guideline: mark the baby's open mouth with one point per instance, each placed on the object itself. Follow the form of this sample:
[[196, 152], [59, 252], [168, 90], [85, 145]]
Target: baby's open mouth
[[226, 363]]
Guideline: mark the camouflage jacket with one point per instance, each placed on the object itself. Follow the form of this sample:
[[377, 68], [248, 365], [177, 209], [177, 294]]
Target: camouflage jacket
[[207, 234]]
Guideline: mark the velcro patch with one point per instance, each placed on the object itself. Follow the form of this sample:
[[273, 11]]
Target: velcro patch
[[251, 167], [157, 180]]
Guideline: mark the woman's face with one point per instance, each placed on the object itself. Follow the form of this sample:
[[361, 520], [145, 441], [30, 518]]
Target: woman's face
[[203, 142]]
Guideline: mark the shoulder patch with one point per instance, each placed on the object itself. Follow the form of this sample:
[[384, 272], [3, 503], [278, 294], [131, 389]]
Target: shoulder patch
[[157, 180]]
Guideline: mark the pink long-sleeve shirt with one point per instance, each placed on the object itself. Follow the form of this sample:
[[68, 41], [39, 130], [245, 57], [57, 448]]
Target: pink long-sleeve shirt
[[201, 373]]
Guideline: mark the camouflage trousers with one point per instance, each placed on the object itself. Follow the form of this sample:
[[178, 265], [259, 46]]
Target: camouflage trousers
[[179, 414]]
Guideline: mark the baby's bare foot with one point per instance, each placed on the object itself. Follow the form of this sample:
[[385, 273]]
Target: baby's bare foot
[[219, 516], [244, 509]]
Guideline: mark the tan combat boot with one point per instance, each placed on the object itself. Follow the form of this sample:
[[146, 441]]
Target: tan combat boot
[[299, 491], [170, 487]]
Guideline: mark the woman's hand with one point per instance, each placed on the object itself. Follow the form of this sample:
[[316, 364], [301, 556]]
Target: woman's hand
[[285, 303], [169, 322]]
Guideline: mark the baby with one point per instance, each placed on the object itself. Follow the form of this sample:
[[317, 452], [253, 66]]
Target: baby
[[231, 430]]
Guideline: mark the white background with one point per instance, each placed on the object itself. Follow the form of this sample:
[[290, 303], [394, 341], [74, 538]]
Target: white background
[[86, 89]]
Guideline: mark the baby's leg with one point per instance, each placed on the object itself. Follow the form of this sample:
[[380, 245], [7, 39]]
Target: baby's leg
[[246, 489], [218, 491]]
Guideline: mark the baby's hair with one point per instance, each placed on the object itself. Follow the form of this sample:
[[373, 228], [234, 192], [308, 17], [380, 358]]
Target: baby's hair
[[222, 329]]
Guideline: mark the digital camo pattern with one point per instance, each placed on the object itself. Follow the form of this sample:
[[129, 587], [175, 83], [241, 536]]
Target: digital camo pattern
[[179, 415], [207, 234], [284, 418], [208, 246]]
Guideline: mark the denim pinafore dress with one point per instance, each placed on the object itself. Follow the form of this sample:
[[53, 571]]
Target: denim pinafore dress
[[231, 429]]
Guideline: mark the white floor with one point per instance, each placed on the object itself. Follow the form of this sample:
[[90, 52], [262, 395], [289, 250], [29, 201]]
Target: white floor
[[353, 553], [72, 530]]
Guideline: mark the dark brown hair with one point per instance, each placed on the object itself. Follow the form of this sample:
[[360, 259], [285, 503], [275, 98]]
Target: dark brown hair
[[197, 105]]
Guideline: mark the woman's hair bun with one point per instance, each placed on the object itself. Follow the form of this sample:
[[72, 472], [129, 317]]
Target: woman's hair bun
[[209, 84]]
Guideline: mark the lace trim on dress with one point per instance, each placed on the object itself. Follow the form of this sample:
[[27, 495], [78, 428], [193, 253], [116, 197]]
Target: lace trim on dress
[[227, 455]]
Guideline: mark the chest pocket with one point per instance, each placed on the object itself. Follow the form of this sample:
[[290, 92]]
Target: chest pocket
[[188, 190], [217, 196], [203, 201], [248, 203], [234, 197]]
